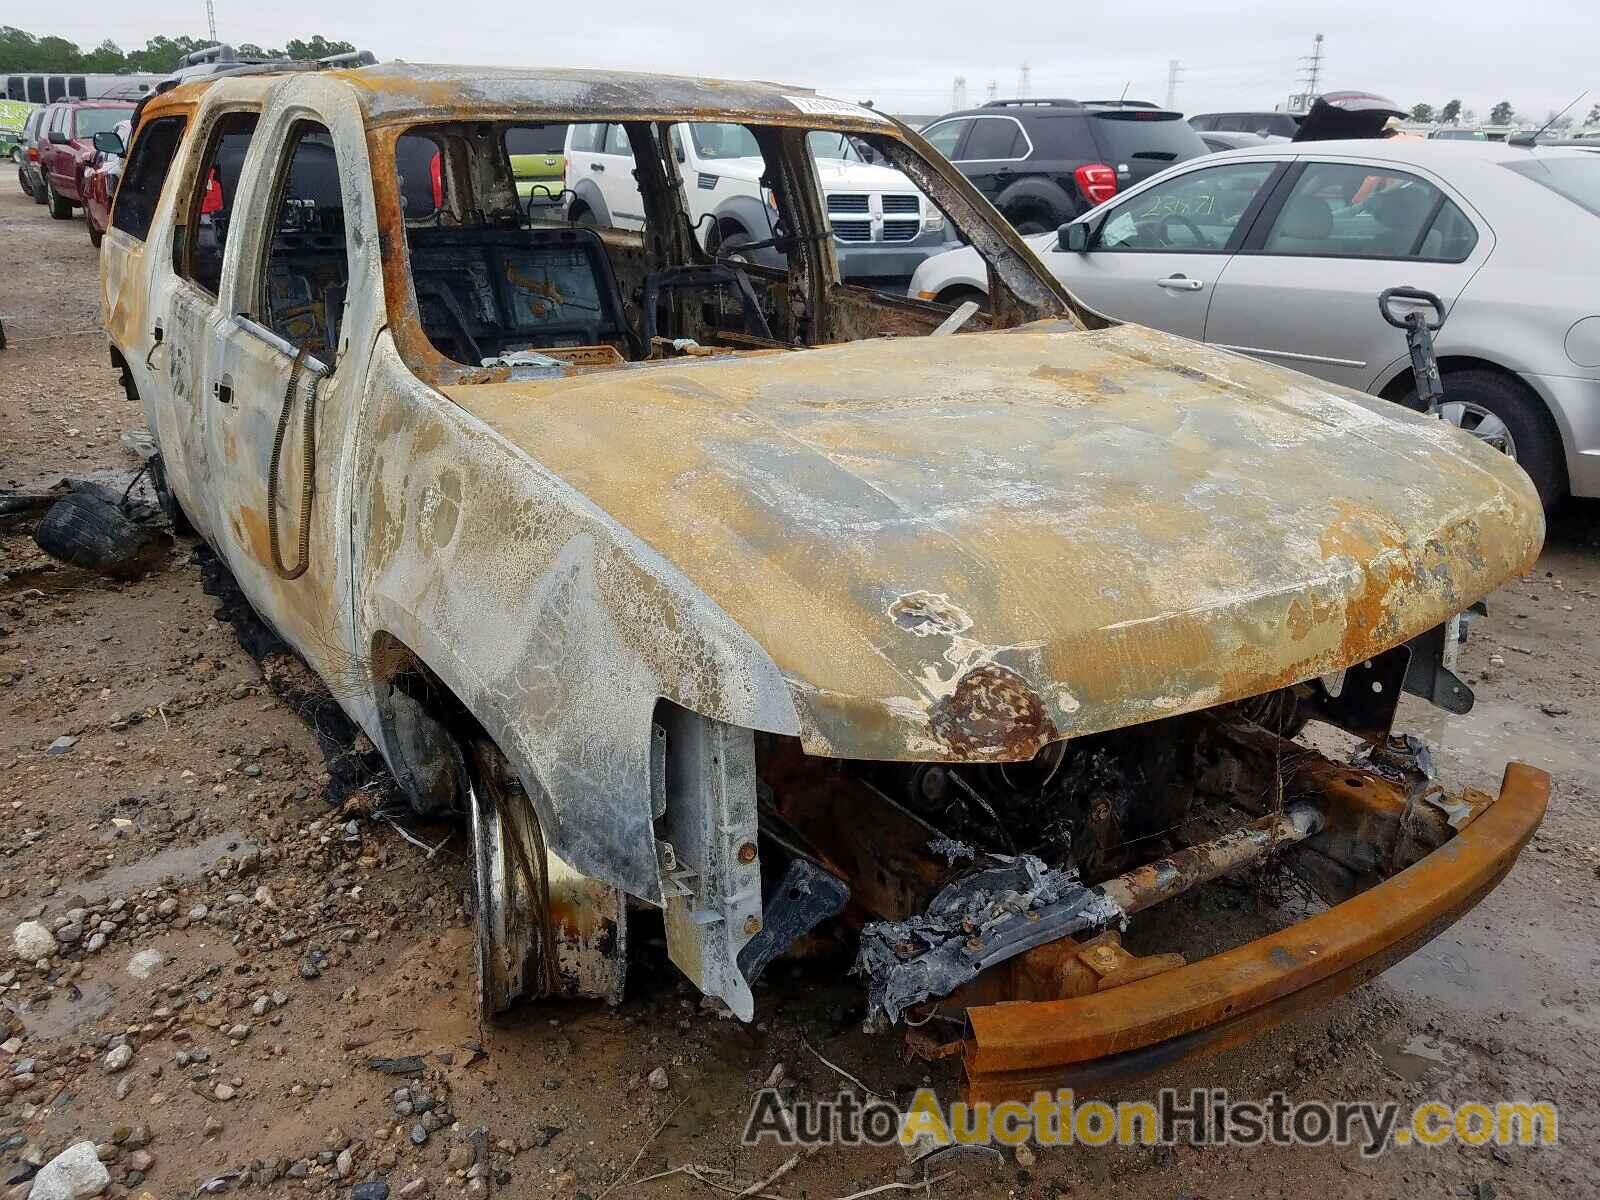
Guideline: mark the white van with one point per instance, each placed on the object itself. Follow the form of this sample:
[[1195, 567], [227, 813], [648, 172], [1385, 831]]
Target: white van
[[882, 225]]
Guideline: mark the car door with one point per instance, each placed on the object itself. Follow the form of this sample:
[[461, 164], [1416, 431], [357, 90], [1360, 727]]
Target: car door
[[993, 152], [1303, 289], [287, 365], [186, 311], [614, 166], [1154, 256], [53, 155]]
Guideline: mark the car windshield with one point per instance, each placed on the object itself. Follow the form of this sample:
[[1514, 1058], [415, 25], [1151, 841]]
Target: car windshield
[[829, 145], [1142, 133], [724, 141], [98, 120], [1576, 178]]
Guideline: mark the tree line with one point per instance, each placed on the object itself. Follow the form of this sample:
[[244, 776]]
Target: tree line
[[1503, 113], [21, 51]]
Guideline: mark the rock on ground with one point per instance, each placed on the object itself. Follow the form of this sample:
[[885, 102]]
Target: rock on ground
[[32, 941], [74, 1173]]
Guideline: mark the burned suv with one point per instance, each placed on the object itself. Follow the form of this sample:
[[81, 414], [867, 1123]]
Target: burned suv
[[769, 604]]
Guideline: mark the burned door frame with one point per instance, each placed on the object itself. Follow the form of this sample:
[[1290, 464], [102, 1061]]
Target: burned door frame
[[185, 316], [312, 612]]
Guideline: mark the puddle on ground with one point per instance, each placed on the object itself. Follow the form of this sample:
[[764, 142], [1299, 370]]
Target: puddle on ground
[[178, 862], [1495, 732], [1414, 1056], [1459, 971], [62, 1016]]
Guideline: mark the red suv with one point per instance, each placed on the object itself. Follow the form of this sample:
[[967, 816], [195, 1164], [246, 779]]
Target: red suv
[[66, 147]]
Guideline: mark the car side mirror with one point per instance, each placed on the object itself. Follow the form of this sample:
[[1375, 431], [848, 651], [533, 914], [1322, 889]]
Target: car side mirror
[[1073, 237], [57, 138], [107, 141]]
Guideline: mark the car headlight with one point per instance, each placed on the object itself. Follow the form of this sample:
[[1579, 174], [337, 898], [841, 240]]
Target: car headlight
[[933, 221]]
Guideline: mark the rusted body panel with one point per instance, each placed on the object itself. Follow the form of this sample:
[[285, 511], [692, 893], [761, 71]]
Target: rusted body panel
[[1100, 528], [1015, 1050]]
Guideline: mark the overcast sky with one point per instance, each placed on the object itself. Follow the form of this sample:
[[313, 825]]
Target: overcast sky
[[905, 55]]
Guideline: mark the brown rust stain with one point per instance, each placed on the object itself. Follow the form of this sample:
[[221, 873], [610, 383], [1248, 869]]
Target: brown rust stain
[[991, 713]]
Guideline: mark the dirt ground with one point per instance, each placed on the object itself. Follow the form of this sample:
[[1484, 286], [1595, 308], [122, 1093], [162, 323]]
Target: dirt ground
[[297, 940]]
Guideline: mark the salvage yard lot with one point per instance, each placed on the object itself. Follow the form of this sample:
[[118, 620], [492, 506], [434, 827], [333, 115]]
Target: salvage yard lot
[[298, 940]]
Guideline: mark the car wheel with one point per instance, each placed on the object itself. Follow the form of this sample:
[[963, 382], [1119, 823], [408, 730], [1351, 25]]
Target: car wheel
[[731, 245], [582, 214], [22, 182], [1502, 412], [956, 296], [1029, 220], [60, 209], [37, 193]]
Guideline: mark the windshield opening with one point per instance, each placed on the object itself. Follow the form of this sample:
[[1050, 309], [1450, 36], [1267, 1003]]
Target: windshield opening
[[536, 248]]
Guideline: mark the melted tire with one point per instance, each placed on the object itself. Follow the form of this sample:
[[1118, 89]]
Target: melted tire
[[87, 531]]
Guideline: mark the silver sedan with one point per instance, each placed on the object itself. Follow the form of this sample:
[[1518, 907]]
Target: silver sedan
[[1280, 251]]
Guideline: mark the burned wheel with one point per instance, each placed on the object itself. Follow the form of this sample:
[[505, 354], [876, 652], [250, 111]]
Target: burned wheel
[[543, 928]]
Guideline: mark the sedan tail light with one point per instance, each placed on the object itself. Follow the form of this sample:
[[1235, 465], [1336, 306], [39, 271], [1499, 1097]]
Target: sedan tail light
[[1097, 182]]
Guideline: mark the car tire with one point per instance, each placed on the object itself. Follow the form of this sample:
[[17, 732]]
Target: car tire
[[1534, 439], [60, 209], [582, 214], [37, 193], [958, 295], [1029, 219], [731, 244], [22, 182], [88, 531]]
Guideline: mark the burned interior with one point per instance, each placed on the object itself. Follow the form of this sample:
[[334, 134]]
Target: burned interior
[[507, 286]]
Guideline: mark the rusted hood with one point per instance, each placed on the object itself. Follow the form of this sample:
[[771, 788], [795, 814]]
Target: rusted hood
[[968, 546]]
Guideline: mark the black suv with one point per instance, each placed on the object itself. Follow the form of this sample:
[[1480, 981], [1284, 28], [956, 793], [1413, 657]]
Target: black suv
[[1044, 162]]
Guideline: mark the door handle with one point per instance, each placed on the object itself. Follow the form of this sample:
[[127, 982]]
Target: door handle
[[594, 166], [223, 389], [1180, 283]]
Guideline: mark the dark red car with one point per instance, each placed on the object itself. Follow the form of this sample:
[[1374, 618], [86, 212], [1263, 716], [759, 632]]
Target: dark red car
[[100, 179], [66, 147]]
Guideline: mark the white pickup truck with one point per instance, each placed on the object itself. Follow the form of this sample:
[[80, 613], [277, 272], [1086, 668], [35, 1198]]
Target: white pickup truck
[[882, 225]]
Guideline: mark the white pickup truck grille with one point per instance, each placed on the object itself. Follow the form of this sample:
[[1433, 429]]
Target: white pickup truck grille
[[858, 217]]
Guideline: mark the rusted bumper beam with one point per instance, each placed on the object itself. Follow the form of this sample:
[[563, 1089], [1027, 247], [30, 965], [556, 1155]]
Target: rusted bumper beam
[[1013, 1051]]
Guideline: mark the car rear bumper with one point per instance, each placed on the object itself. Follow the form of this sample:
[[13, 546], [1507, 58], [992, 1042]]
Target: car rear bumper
[[1015, 1050], [1574, 400]]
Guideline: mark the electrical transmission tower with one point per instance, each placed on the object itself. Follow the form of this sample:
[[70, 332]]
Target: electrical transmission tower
[[992, 92], [211, 20], [958, 94], [1311, 74], [1174, 73]]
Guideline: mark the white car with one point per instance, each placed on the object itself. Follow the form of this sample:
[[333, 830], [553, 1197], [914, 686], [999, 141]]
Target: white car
[[882, 225], [1280, 251]]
